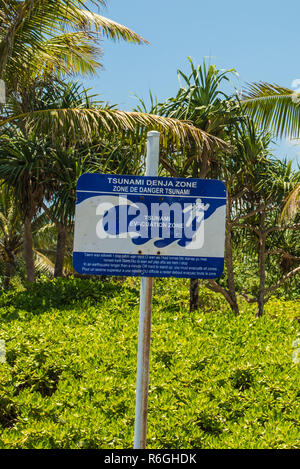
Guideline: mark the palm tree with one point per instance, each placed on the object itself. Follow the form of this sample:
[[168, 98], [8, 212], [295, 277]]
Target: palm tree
[[201, 102], [39, 37], [68, 165], [12, 238], [257, 184], [70, 160], [36, 44], [24, 167], [36, 47], [11, 233], [246, 174], [271, 186]]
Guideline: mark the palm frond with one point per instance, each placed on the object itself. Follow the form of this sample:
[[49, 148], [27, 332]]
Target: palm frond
[[273, 107], [108, 28], [291, 204], [70, 53], [90, 124], [32, 22], [43, 264]]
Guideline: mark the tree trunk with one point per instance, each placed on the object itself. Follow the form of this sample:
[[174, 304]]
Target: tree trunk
[[204, 164], [262, 263], [60, 250], [28, 250], [9, 263], [229, 258]]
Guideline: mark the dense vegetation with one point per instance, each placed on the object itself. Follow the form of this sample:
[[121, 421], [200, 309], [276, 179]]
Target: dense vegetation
[[216, 380], [205, 133], [225, 352]]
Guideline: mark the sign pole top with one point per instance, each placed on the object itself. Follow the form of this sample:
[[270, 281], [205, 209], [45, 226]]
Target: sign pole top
[[153, 138]]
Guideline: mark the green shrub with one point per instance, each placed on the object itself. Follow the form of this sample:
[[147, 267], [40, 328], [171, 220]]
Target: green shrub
[[216, 380]]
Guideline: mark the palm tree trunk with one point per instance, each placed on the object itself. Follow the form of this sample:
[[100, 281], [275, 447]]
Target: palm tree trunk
[[262, 263], [28, 250], [60, 250], [204, 164]]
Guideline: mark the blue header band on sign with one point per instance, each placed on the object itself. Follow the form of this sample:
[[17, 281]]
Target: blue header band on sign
[[146, 185]]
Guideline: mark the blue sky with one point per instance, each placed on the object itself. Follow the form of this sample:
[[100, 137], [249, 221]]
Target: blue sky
[[259, 39]]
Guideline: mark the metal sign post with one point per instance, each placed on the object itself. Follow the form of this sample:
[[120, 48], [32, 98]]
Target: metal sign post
[[143, 358], [2, 92]]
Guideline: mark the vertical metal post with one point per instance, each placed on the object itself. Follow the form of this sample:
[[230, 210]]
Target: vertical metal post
[[2, 92], [143, 357]]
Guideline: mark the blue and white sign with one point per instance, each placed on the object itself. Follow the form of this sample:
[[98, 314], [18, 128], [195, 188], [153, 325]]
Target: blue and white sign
[[149, 226]]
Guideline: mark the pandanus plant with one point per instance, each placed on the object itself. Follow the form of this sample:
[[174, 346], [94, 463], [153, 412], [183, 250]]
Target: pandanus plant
[[201, 101]]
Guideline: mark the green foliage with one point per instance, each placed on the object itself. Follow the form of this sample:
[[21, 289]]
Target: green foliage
[[58, 293], [216, 380]]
